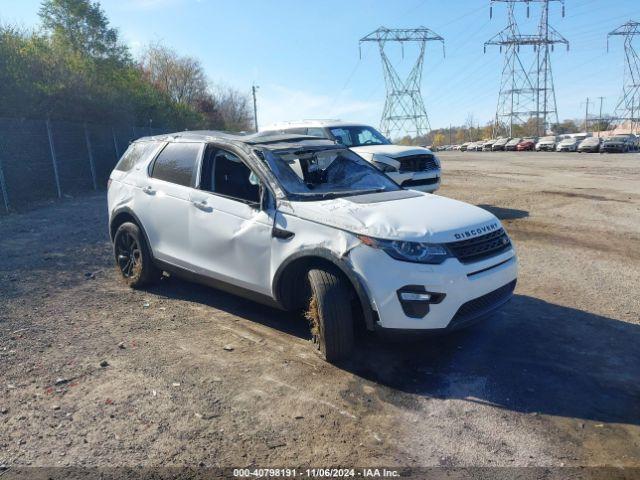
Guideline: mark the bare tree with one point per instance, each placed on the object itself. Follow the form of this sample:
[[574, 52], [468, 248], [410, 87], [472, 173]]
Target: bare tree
[[234, 109], [181, 77]]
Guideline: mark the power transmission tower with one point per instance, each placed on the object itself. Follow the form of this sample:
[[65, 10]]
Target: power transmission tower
[[404, 110], [546, 98], [526, 93], [628, 107]]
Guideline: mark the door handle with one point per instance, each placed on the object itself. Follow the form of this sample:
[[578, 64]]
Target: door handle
[[202, 205], [148, 190]]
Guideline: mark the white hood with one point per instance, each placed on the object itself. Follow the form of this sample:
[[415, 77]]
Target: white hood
[[393, 151], [423, 217]]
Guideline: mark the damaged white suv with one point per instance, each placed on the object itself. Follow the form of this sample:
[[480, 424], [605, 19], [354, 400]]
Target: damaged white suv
[[304, 223], [413, 167]]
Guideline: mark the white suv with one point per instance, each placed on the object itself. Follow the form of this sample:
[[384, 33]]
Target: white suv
[[410, 167], [302, 223]]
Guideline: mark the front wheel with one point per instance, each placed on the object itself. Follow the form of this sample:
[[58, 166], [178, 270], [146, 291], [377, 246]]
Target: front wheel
[[330, 314], [133, 257]]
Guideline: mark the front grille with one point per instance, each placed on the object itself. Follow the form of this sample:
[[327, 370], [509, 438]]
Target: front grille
[[417, 163], [479, 248], [479, 307]]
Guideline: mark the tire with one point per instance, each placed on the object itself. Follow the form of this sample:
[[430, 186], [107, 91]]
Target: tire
[[133, 257], [330, 314]]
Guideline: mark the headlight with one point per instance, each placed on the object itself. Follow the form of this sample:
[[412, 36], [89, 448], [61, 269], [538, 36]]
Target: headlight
[[384, 167], [409, 251]]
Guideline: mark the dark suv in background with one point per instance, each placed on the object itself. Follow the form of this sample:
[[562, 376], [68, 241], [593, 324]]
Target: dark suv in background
[[619, 144]]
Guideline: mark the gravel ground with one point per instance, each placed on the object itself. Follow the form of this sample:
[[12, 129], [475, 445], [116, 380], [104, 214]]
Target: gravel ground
[[94, 374]]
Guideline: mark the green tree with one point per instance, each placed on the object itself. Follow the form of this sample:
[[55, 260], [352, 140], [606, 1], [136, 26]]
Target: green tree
[[82, 25]]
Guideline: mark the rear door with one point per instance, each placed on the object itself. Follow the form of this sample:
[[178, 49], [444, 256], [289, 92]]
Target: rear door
[[230, 235], [163, 202]]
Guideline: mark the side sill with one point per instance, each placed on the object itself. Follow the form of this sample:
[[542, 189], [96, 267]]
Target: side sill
[[217, 284]]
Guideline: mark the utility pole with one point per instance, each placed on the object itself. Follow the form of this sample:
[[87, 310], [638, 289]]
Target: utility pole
[[629, 103], [586, 115], [404, 111], [254, 88], [600, 116]]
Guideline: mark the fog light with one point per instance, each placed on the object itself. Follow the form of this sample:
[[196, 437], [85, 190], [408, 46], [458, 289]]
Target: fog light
[[415, 300], [415, 297]]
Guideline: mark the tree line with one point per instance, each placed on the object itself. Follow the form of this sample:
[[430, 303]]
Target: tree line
[[75, 67]]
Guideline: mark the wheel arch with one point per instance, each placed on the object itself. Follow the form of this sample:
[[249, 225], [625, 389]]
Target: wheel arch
[[289, 280], [123, 215]]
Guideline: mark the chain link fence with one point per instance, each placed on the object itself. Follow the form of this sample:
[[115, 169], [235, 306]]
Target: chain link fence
[[42, 159]]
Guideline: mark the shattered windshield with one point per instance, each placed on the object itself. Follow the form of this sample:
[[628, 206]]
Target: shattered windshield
[[357, 136], [326, 173]]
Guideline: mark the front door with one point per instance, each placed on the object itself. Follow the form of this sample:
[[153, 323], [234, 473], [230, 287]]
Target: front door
[[230, 235]]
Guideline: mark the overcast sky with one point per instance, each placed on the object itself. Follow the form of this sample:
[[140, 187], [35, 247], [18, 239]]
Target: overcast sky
[[304, 54]]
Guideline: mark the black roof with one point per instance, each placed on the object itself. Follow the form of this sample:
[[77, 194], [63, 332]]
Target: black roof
[[269, 141]]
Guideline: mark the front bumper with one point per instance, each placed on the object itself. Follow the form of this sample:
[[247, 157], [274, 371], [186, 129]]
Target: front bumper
[[467, 288], [613, 148]]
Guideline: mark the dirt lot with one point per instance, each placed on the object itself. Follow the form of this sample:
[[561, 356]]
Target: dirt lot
[[195, 376]]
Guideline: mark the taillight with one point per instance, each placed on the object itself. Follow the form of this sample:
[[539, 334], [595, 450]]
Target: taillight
[[108, 183]]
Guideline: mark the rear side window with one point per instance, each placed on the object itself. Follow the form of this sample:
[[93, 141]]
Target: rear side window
[[136, 154], [176, 163]]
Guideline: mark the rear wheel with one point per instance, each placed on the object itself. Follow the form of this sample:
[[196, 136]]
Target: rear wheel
[[330, 314], [133, 257]]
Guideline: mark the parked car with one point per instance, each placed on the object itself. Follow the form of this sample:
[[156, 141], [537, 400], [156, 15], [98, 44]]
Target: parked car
[[512, 144], [463, 147], [500, 144], [590, 144], [305, 223], [526, 144], [486, 147], [411, 167], [475, 147], [547, 144], [568, 145], [618, 143]]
